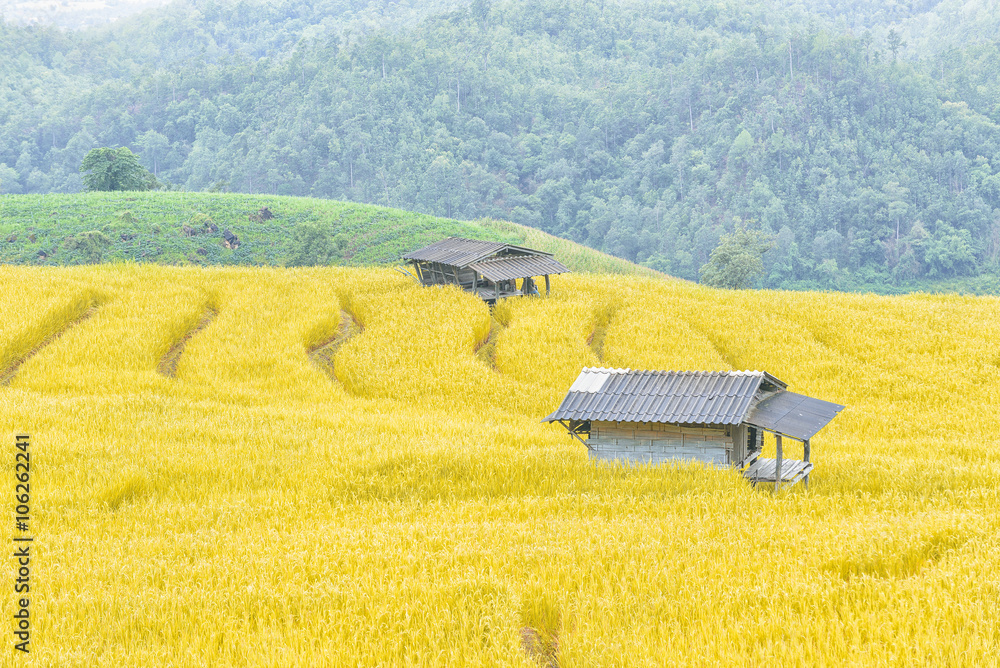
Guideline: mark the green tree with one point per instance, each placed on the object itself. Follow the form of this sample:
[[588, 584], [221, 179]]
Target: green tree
[[314, 246], [115, 169], [9, 182], [154, 147], [894, 42], [950, 251], [736, 262]]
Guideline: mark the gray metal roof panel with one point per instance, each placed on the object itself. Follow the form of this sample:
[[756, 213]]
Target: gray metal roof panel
[[461, 252], [518, 266], [729, 404], [792, 414], [684, 397], [456, 251]]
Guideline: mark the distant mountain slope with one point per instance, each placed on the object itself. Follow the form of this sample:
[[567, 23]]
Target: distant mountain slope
[[952, 24], [192, 228], [72, 14], [860, 15], [83, 14], [646, 129]]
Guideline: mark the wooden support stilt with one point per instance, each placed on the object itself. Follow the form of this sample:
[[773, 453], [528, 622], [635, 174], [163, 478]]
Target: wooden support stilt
[[546, 285], [777, 467], [805, 458]]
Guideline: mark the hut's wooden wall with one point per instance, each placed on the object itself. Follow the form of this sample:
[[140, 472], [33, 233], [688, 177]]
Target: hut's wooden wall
[[656, 442], [435, 273], [739, 443]]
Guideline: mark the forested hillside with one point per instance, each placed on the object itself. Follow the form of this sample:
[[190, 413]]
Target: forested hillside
[[645, 129]]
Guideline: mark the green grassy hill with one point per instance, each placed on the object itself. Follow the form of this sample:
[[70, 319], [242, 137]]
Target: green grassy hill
[[191, 229]]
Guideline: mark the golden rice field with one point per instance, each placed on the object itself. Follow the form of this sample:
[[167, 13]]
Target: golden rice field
[[409, 508]]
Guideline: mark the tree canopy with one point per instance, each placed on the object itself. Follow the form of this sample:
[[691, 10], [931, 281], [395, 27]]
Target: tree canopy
[[115, 169], [736, 263]]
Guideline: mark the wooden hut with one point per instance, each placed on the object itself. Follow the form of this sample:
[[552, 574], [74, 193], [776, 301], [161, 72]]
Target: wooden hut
[[716, 417], [488, 269]]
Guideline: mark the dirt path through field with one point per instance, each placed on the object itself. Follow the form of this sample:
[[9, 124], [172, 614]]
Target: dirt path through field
[[7, 375], [168, 363], [322, 355]]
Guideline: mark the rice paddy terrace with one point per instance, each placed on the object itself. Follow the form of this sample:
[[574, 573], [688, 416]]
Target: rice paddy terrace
[[335, 466]]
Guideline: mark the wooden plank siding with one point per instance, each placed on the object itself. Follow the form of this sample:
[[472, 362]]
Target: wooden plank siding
[[765, 470], [435, 273], [658, 442]]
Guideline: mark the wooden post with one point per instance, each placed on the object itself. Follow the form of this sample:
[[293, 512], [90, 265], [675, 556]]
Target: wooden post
[[739, 437], [475, 280], [546, 285], [805, 455], [777, 463]]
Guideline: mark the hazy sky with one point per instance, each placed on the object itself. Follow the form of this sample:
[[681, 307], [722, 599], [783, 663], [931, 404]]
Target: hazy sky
[[72, 13]]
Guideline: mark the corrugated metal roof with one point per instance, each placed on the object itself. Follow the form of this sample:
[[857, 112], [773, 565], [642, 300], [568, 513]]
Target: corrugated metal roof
[[680, 397], [455, 251], [461, 252], [518, 266], [794, 415], [592, 380]]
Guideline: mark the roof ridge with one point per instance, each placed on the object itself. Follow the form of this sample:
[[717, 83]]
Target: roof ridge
[[685, 372], [488, 260], [616, 394]]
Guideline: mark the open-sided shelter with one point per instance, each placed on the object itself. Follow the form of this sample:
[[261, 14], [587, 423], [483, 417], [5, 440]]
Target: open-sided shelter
[[490, 269], [716, 417]]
